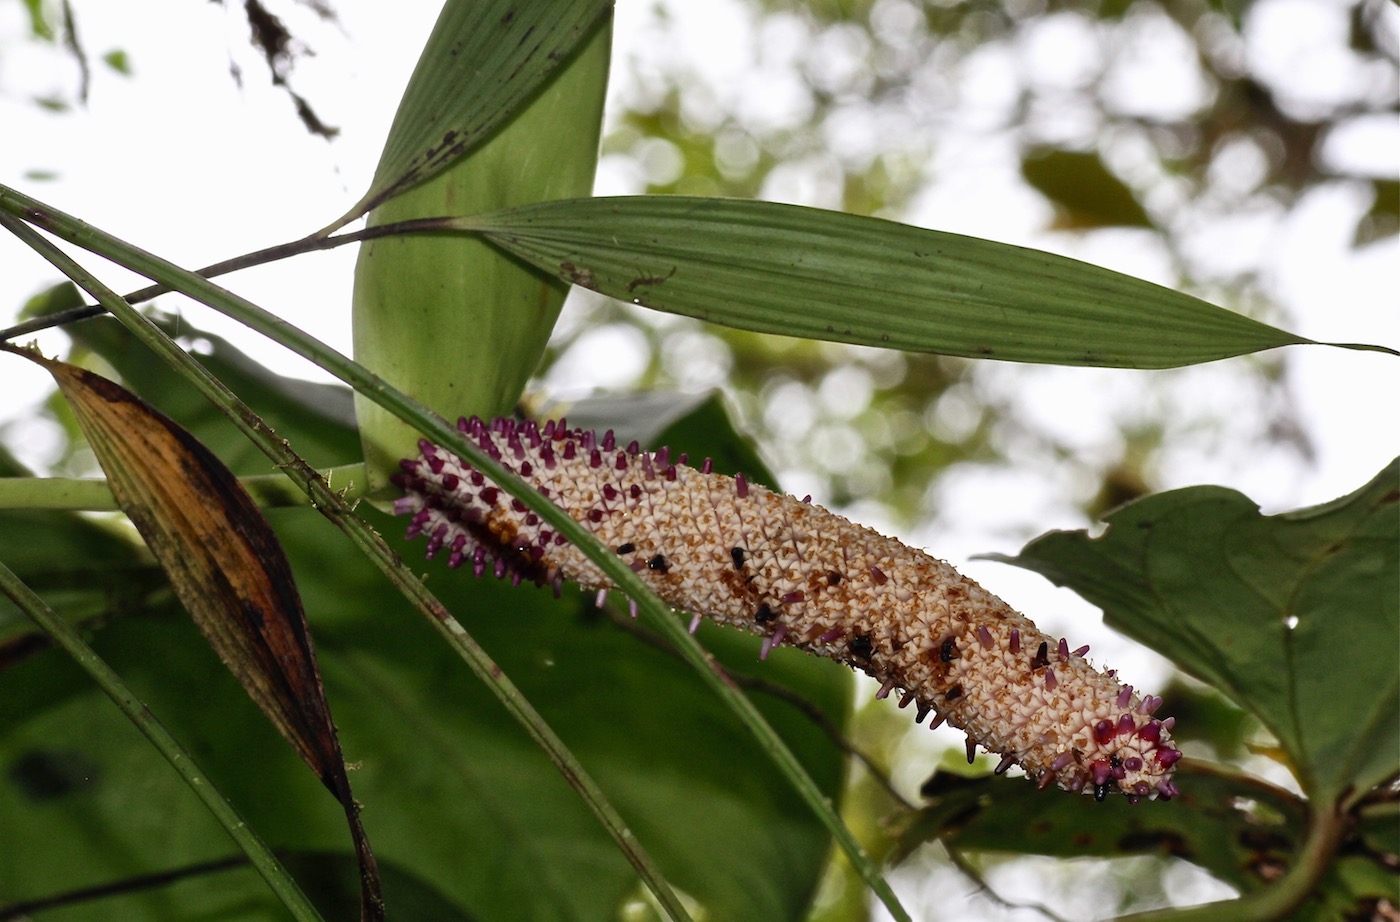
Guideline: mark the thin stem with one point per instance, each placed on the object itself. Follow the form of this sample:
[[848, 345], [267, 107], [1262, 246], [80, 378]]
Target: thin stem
[[91, 494], [246, 261], [9, 912], [66, 636], [438, 430], [333, 506]]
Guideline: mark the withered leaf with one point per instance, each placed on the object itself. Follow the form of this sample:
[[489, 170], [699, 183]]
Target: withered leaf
[[227, 568]]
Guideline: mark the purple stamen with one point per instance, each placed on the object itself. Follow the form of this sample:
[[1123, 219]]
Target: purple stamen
[[741, 485], [1126, 725], [1100, 771], [885, 689], [1014, 643], [1125, 697], [1005, 763], [971, 750], [1062, 761], [984, 636]]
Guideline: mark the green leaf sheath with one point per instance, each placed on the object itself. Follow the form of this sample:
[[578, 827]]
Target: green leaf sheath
[[449, 319], [831, 276], [1295, 616]]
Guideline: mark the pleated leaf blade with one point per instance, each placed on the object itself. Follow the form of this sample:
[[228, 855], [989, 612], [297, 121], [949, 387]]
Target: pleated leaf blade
[[825, 275], [482, 64]]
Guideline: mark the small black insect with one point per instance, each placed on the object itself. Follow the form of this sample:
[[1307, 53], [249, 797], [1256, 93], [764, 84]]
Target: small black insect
[[737, 555], [764, 614], [659, 563], [627, 548]]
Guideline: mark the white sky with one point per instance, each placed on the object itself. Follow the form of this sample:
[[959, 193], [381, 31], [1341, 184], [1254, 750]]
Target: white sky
[[182, 162]]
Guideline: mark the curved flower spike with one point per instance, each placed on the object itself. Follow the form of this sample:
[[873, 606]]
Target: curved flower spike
[[798, 574]]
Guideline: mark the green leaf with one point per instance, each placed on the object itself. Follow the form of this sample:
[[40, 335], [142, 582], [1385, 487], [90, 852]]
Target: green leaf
[[826, 275], [451, 787], [118, 60], [1383, 218], [1235, 827], [481, 65], [1294, 616], [316, 417], [1086, 194]]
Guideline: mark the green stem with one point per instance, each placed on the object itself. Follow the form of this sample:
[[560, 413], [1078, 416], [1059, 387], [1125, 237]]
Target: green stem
[[91, 494], [1279, 900], [246, 261], [438, 430], [333, 506], [66, 636]]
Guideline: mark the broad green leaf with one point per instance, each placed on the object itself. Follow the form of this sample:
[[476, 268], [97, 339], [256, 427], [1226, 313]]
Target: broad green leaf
[[316, 417], [831, 276], [447, 318], [482, 63], [1233, 826], [451, 787], [80, 567], [1294, 616], [1086, 194]]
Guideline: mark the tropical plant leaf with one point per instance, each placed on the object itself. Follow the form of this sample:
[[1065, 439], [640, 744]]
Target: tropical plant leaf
[[1082, 188], [482, 63], [1233, 826], [1295, 616], [319, 416], [831, 276]]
